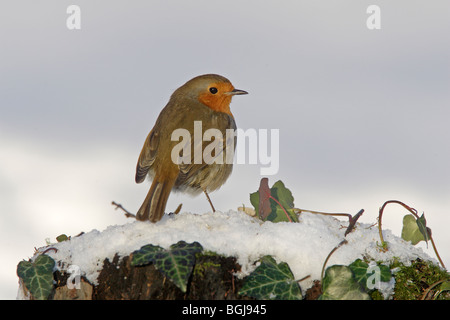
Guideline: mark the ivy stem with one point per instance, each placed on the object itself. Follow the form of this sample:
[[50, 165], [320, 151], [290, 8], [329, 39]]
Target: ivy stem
[[48, 249], [437, 254], [304, 278], [287, 215], [424, 296], [328, 257], [414, 212]]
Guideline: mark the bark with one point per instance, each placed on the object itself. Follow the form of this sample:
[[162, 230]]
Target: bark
[[213, 278]]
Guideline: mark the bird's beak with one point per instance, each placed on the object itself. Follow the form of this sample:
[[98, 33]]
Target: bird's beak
[[236, 92]]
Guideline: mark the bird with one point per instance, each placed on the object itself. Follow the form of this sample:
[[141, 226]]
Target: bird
[[203, 100]]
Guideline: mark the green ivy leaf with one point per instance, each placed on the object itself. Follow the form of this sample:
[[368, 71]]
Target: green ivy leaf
[[145, 255], [411, 231], [339, 284], [175, 263], [285, 198], [254, 200], [362, 273], [62, 237], [276, 213], [37, 276], [271, 281], [359, 269], [445, 286], [422, 225]]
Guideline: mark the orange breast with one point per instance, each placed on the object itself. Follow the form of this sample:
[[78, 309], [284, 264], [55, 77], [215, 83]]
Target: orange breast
[[220, 101]]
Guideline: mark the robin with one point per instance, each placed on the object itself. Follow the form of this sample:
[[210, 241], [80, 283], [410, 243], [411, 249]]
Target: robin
[[206, 100]]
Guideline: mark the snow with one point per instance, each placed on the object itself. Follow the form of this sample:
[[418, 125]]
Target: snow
[[304, 245]]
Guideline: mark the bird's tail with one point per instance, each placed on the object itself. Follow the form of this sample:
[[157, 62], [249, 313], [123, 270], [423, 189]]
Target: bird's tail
[[155, 202]]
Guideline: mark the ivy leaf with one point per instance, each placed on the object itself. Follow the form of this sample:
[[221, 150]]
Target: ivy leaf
[[37, 276], [271, 281], [413, 229], [62, 237], [145, 255], [285, 198], [445, 286], [422, 225], [275, 204], [339, 284], [363, 274], [175, 263], [254, 200], [359, 269]]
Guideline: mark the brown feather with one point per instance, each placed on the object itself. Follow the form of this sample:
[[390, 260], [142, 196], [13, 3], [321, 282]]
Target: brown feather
[[155, 202]]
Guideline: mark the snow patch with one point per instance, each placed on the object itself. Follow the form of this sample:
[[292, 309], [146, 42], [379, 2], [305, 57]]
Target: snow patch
[[304, 245]]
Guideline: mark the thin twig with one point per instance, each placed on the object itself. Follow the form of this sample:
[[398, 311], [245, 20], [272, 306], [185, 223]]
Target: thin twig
[[297, 210], [209, 200], [352, 222], [351, 219], [127, 213]]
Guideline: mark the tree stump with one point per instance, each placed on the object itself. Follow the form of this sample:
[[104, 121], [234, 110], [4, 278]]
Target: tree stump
[[213, 278]]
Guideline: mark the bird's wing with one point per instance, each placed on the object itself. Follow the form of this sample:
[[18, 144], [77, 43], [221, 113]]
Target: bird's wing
[[147, 156], [187, 171]]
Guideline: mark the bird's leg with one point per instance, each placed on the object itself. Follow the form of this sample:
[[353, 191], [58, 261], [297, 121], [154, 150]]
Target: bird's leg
[[209, 200]]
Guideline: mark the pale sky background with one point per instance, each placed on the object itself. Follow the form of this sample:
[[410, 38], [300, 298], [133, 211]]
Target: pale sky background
[[363, 114]]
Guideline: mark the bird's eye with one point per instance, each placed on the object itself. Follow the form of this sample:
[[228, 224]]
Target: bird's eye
[[213, 90]]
